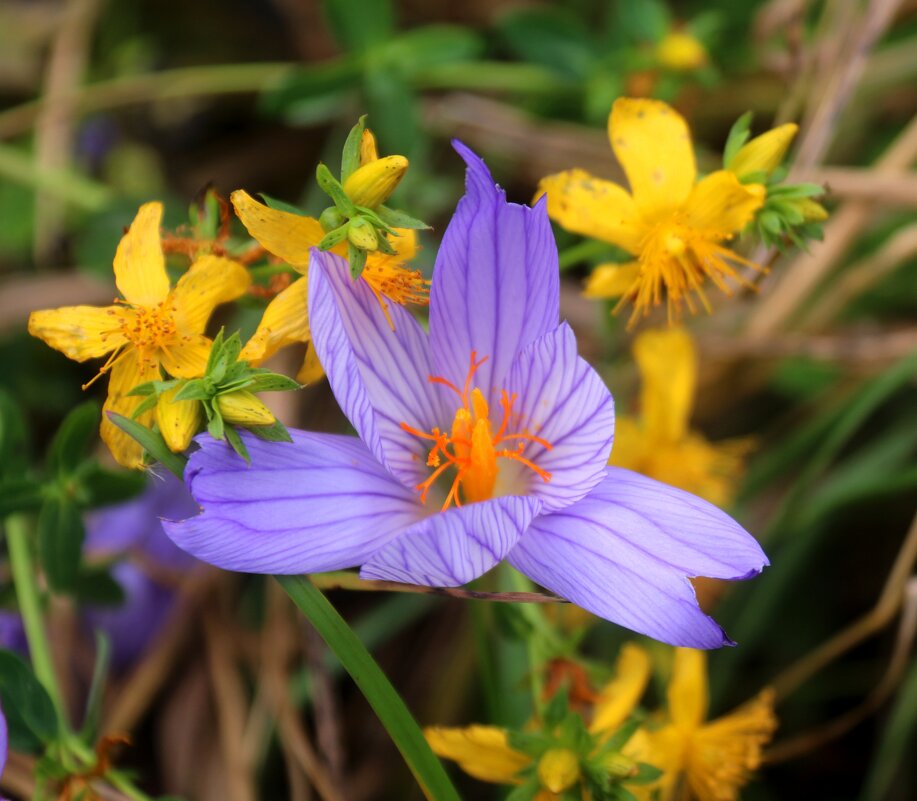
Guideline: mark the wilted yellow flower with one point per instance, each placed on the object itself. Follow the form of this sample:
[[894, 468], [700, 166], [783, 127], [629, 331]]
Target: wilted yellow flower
[[659, 443], [680, 51], [154, 327], [706, 761], [290, 237], [673, 224]]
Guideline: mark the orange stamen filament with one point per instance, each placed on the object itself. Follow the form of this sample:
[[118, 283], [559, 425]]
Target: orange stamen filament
[[471, 446]]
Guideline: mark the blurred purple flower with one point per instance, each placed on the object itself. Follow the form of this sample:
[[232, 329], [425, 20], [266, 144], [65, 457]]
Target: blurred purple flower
[[441, 489], [12, 633], [4, 740]]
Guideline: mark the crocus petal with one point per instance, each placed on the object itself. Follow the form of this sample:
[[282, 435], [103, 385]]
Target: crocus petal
[[720, 203], [481, 751], [454, 547], [765, 152], [4, 740], [560, 399], [80, 332], [652, 142], [687, 690], [599, 209], [321, 502], [378, 373], [619, 696], [625, 551], [178, 421], [128, 372], [288, 236], [612, 280], [186, 357], [285, 321], [140, 267], [668, 372], [495, 284], [210, 281]]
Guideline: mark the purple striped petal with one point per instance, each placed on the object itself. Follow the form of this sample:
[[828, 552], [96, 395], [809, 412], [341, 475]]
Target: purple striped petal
[[379, 376], [562, 400], [625, 553], [495, 284], [454, 547], [321, 502]]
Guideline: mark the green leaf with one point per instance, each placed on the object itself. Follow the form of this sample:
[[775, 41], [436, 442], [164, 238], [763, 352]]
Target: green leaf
[[19, 495], [215, 427], [528, 791], [646, 773], [399, 219], [149, 402], [359, 25], [152, 442], [281, 205], [738, 136], [350, 158], [272, 382], [195, 389], [73, 439], [13, 437], [60, 542], [96, 586], [26, 703], [357, 259], [376, 688], [273, 433], [303, 91], [553, 37], [103, 487], [93, 714], [418, 49]]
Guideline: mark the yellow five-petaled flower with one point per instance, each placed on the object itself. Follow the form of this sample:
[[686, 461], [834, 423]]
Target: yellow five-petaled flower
[[155, 326], [672, 224]]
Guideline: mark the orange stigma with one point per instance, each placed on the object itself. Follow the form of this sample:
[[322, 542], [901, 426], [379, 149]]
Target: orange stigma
[[472, 446]]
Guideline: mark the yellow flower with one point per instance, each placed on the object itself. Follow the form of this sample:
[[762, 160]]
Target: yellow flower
[[707, 761], [671, 223], [290, 237], [154, 326], [485, 753], [659, 443], [681, 52]]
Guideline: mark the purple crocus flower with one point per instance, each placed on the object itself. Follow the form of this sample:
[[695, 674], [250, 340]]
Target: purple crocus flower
[[487, 439]]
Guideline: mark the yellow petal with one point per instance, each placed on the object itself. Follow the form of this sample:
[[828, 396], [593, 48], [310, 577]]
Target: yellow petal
[[630, 444], [210, 281], [140, 267], [558, 769], [80, 332], [619, 697], [592, 207], [128, 372], [368, 149], [186, 357], [764, 153], [667, 362], [612, 280], [666, 749], [720, 203], [687, 692], [178, 421], [311, 370], [244, 408], [373, 183], [288, 236], [285, 321], [404, 244], [653, 144], [481, 751]]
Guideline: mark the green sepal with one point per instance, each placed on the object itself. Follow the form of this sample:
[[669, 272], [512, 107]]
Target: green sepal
[[357, 259], [281, 205], [145, 405], [152, 388], [272, 382], [235, 441], [26, 704], [215, 426], [622, 734], [399, 219], [384, 246], [332, 187], [60, 541], [196, 389], [333, 238], [738, 136], [527, 791], [272, 433], [645, 774], [152, 442], [350, 157], [73, 439]]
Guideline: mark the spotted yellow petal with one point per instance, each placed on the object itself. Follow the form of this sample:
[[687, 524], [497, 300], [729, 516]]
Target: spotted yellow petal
[[140, 267], [128, 372], [612, 280], [764, 153], [587, 205], [720, 203], [311, 370], [186, 356], [687, 692], [618, 698], [80, 332], [178, 421], [288, 236], [667, 362], [285, 321], [210, 281], [481, 751], [653, 144]]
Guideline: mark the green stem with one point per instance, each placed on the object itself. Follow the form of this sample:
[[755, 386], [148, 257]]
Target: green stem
[[263, 271], [534, 642], [375, 686], [66, 185], [17, 540], [580, 252]]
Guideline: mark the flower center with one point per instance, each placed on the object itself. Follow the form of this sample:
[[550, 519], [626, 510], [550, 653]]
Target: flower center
[[472, 446], [150, 327]]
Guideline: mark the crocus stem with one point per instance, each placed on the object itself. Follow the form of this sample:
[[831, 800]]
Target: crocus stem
[[17, 540], [534, 642]]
